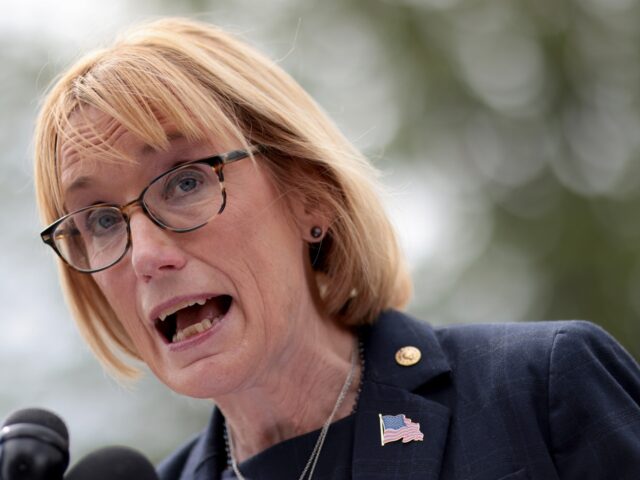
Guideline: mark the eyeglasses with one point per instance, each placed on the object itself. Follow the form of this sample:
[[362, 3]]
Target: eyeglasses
[[182, 199]]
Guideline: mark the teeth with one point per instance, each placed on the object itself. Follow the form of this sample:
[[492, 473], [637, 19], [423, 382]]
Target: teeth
[[192, 330], [180, 306]]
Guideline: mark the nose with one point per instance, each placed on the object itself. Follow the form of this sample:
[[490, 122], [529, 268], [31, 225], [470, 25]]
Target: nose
[[154, 252]]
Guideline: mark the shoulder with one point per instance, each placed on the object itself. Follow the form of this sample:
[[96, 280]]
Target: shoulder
[[519, 341], [549, 344], [540, 352], [575, 378], [476, 353]]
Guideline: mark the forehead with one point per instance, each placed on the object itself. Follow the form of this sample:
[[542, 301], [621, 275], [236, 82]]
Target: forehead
[[97, 143], [92, 134]]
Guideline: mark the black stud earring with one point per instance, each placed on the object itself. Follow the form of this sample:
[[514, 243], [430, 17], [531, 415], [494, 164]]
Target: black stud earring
[[316, 232]]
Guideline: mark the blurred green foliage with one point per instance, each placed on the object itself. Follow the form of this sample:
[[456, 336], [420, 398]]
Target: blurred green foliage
[[537, 102]]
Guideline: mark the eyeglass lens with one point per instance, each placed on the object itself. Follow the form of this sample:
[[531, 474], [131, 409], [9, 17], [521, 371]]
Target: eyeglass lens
[[181, 200]]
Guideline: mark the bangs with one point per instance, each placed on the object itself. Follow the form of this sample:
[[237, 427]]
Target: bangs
[[150, 94]]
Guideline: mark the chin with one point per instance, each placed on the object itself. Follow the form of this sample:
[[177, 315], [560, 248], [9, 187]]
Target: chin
[[204, 379]]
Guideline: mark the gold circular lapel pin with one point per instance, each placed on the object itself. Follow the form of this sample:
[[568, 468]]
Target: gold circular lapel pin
[[408, 356]]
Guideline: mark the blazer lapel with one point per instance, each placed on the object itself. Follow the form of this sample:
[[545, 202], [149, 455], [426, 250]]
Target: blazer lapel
[[413, 460], [388, 389]]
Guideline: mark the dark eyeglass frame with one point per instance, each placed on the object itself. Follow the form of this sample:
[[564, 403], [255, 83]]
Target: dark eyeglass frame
[[216, 162]]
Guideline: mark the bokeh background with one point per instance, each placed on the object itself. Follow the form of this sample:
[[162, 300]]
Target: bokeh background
[[507, 131]]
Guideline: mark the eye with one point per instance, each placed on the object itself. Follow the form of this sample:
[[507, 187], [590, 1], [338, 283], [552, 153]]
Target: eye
[[183, 183], [187, 184], [102, 221]]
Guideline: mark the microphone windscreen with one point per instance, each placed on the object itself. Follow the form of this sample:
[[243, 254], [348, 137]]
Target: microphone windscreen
[[38, 416], [34, 445], [113, 463]]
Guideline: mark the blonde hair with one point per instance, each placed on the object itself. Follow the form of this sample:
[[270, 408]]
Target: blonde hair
[[203, 80]]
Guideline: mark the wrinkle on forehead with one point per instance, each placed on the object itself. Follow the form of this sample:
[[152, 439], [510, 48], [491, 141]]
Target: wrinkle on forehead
[[92, 138], [95, 136], [91, 133], [108, 142]]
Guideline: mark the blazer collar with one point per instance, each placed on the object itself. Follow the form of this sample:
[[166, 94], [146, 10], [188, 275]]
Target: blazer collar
[[388, 389], [392, 331], [207, 459]]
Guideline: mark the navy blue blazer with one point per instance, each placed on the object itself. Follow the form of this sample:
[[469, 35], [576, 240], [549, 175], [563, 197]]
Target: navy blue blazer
[[537, 401]]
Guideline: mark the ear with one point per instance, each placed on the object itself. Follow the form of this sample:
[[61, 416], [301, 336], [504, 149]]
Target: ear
[[309, 218]]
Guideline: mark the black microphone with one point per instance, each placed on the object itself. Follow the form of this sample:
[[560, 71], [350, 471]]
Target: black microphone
[[34, 445], [113, 463]]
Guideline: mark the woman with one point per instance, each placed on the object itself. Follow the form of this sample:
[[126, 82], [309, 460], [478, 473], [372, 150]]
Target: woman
[[214, 224]]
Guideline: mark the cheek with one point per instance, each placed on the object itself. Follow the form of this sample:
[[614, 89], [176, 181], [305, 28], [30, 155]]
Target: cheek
[[120, 293], [262, 253], [271, 250], [258, 237], [113, 285]]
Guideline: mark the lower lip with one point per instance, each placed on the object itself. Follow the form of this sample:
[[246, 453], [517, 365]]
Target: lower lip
[[199, 338]]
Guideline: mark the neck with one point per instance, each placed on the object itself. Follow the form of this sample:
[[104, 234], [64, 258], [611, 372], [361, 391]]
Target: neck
[[298, 398]]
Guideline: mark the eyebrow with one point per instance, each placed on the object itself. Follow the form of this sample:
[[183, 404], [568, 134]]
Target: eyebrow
[[149, 149], [79, 183]]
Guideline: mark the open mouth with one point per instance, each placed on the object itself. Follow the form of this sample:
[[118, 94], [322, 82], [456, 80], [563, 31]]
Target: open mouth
[[192, 318]]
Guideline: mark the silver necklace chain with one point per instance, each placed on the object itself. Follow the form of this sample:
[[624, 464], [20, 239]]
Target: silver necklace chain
[[315, 454]]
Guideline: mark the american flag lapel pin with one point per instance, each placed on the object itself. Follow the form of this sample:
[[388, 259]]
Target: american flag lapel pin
[[398, 427]]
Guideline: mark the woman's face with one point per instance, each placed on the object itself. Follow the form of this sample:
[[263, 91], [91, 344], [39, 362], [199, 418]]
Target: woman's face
[[241, 278]]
